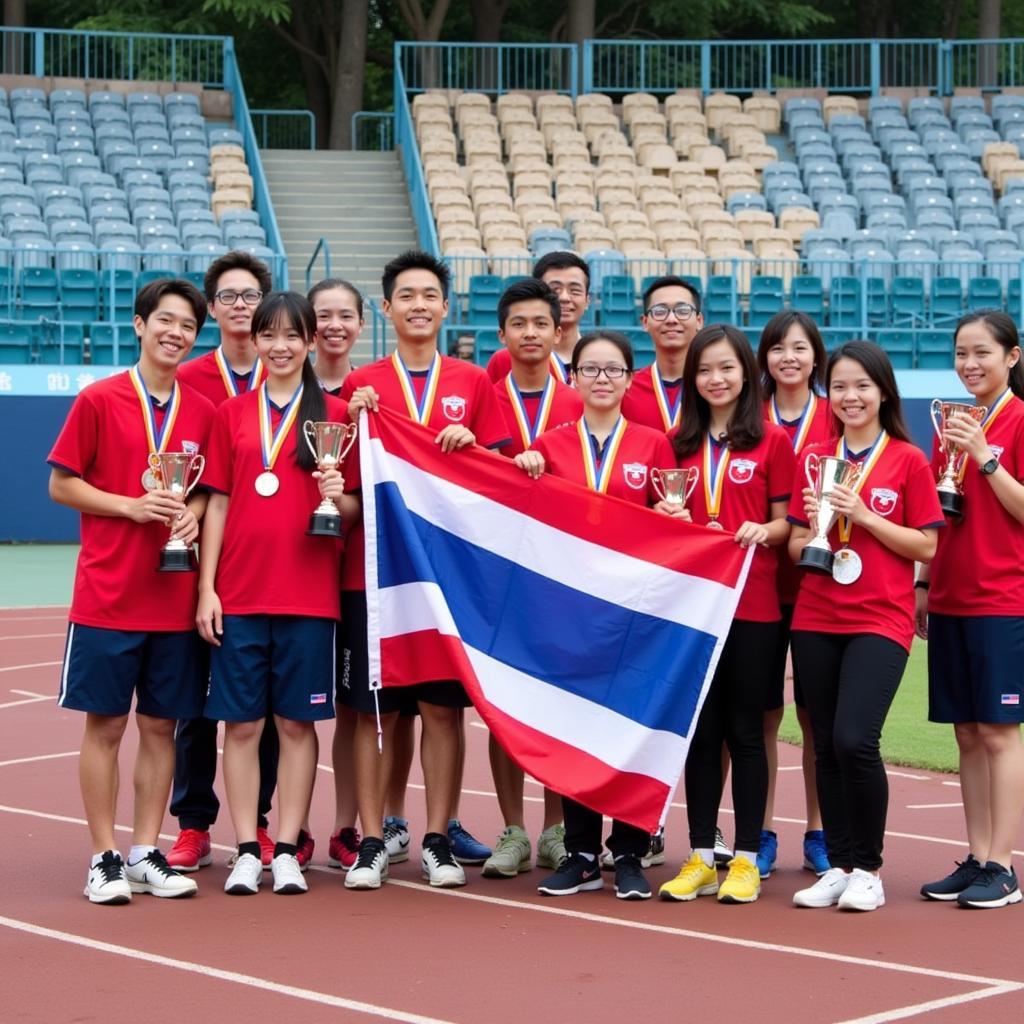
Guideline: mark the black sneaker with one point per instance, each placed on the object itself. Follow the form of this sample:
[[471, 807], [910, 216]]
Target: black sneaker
[[993, 887], [575, 874], [371, 866], [630, 883], [952, 885]]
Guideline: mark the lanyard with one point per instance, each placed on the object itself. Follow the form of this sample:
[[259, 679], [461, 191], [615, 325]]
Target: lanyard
[[558, 369], [803, 426], [671, 412], [715, 462], [990, 417], [418, 410], [271, 441], [228, 377], [157, 439], [871, 460], [529, 431], [598, 479]]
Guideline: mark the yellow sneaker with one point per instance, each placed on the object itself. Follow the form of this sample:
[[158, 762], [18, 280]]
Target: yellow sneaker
[[695, 879], [742, 884]]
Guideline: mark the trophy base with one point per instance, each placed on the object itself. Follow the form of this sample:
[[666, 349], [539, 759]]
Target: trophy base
[[816, 559], [176, 560], [952, 504], [324, 524]]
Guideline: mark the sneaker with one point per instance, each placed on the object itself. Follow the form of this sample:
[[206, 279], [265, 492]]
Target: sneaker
[[952, 885], [396, 839], [742, 884], [695, 879], [191, 851], [370, 867], [287, 871], [767, 853], [993, 887], [863, 892], [722, 852], [106, 882], [654, 857], [826, 890], [630, 883], [815, 852], [575, 874], [266, 847], [343, 849], [154, 875], [304, 853], [245, 877], [511, 854], [438, 862], [466, 848], [551, 847]]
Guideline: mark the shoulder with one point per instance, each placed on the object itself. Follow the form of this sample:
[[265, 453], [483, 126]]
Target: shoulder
[[195, 398], [193, 367], [362, 375], [641, 433], [905, 453], [335, 407]]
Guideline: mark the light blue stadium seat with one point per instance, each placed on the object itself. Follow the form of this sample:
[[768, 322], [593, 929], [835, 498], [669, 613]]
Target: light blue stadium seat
[[934, 350], [946, 300], [79, 295], [181, 100], [117, 304], [618, 300], [74, 97], [217, 135], [39, 294], [16, 342], [767, 297], [482, 302], [807, 296], [102, 344], [238, 235], [603, 262], [120, 253], [202, 254], [984, 293], [720, 299], [844, 304], [899, 347], [907, 301], [163, 254]]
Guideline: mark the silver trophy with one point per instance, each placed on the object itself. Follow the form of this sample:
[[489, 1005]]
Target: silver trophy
[[330, 443], [177, 472], [675, 486], [824, 474], [951, 494]]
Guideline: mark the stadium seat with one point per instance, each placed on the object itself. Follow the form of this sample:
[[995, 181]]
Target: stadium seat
[[484, 292], [79, 297], [102, 344], [899, 346], [720, 300], [61, 343], [16, 342], [807, 296], [934, 350], [844, 304], [946, 300], [618, 301], [486, 343], [39, 295], [767, 297], [907, 301], [984, 293]]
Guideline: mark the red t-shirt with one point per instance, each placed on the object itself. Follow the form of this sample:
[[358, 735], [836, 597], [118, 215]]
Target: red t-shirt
[[464, 395], [268, 566], [566, 407], [500, 365], [104, 442], [753, 480], [821, 428], [881, 601], [204, 374], [979, 566], [640, 403], [640, 450]]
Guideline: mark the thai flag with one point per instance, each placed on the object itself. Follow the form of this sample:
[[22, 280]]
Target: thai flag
[[585, 629]]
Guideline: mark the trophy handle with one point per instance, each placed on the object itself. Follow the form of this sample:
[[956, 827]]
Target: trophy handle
[[692, 476], [351, 433], [811, 466], [200, 462], [657, 484], [935, 415], [308, 430]]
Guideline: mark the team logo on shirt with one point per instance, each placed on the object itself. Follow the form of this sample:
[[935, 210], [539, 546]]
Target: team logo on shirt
[[883, 500], [454, 407], [741, 471], [190, 447], [635, 474]]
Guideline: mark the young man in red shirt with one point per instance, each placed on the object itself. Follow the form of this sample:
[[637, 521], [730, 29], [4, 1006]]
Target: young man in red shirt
[[131, 631]]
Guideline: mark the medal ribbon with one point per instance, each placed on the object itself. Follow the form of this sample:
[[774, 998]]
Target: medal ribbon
[[271, 441], [1001, 403], [157, 439], [803, 425], [558, 369], [714, 476], [875, 453], [529, 431], [671, 412], [228, 376], [598, 479], [418, 411]]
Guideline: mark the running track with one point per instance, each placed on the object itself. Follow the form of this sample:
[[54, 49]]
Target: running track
[[491, 953]]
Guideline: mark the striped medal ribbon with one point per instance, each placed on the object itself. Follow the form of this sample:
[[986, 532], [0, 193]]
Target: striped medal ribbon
[[599, 478], [530, 431], [716, 462], [156, 439], [272, 441], [418, 410], [228, 376]]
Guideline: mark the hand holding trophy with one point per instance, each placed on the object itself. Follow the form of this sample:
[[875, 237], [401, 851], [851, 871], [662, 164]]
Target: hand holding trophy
[[674, 486], [172, 470], [951, 493], [824, 472], [329, 443]]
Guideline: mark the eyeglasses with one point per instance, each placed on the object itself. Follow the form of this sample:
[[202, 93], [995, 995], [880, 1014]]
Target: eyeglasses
[[681, 310], [228, 297], [592, 371]]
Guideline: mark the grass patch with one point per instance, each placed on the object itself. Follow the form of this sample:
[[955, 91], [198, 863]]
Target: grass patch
[[908, 737]]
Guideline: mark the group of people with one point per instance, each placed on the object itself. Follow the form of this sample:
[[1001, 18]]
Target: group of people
[[269, 636]]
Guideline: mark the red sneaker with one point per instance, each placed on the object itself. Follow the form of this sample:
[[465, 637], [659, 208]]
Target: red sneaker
[[191, 850], [343, 849], [304, 852], [266, 847]]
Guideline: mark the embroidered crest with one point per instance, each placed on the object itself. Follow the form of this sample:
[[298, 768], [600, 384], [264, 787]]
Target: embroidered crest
[[741, 471], [883, 500], [454, 407], [190, 447], [635, 474]]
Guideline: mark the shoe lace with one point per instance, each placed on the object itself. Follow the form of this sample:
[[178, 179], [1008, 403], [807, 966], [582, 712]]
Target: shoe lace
[[367, 854], [110, 867], [440, 849], [457, 832], [628, 863], [969, 869], [392, 830], [158, 862]]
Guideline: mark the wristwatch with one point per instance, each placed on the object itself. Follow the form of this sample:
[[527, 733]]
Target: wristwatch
[[988, 468]]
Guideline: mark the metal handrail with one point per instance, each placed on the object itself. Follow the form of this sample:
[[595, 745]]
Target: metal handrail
[[288, 133], [405, 142], [385, 134], [325, 246]]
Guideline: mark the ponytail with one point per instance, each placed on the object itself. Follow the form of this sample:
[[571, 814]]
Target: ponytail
[[311, 407]]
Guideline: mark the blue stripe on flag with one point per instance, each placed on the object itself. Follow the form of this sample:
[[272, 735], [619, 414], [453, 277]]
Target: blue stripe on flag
[[575, 641]]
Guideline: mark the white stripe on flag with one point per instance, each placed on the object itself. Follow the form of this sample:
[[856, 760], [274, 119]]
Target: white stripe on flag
[[412, 607]]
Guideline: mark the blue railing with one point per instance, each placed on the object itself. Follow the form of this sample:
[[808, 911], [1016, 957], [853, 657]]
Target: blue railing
[[379, 325], [321, 246], [405, 142], [983, 63], [284, 129], [373, 130]]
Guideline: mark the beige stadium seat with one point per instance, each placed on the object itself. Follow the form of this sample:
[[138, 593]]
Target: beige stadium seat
[[996, 150], [797, 219], [447, 195], [638, 101], [738, 183], [515, 121], [592, 99], [608, 178], [718, 105], [552, 101], [759, 157], [433, 117], [643, 117], [644, 262], [676, 236], [716, 247], [777, 237], [617, 196], [573, 193], [838, 105], [753, 224], [441, 146], [534, 200], [682, 101], [228, 150], [229, 199], [509, 260], [766, 111], [587, 237], [659, 159], [458, 234], [531, 179], [687, 143], [435, 163], [739, 263], [514, 101], [503, 229], [472, 100], [575, 177], [616, 216], [711, 158], [559, 130], [739, 139], [234, 180], [663, 213], [534, 217], [480, 149], [782, 263], [687, 121], [469, 260], [609, 143], [454, 215], [618, 162], [588, 215], [689, 262], [1005, 170], [474, 120], [599, 126], [488, 177], [640, 234], [577, 211], [430, 98], [525, 163], [648, 135]]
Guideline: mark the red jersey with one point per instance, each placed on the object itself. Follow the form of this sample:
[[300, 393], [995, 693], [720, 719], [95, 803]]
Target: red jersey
[[564, 406], [979, 566], [460, 393], [627, 465], [499, 366], [817, 427], [654, 402], [268, 566], [212, 376], [749, 481], [104, 441], [901, 488]]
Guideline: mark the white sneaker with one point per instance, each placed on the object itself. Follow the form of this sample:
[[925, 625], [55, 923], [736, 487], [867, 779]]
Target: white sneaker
[[106, 882], [371, 866], [396, 839], [245, 877], [154, 875], [439, 865], [288, 877], [864, 892], [723, 854], [826, 890]]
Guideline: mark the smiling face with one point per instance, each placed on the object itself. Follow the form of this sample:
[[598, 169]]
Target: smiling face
[[530, 332], [674, 332], [338, 323], [720, 377], [417, 306], [981, 362], [235, 317], [570, 285], [791, 360], [601, 393], [855, 398], [167, 336], [283, 349]]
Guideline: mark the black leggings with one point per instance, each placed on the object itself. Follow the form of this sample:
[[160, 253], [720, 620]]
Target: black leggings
[[733, 713], [849, 682], [583, 832]]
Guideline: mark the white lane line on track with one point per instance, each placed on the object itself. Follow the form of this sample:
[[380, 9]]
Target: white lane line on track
[[31, 636], [38, 757], [932, 807], [35, 664], [934, 1004], [28, 693], [24, 700], [204, 970]]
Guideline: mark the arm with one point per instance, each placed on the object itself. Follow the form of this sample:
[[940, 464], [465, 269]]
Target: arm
[[968, 434], [152, 507], [798, 538], [771, 534], [905, 541], [332, 487], [209, 617]]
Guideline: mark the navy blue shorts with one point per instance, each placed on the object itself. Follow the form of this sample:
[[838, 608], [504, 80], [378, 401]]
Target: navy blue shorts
[[104, 667], [975, 668], [284, 663]]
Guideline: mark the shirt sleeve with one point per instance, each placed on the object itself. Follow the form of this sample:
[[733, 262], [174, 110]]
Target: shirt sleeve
[[488, 426], [781, 468], [921, 509], [798, 482], [75, 447], [218, 452]]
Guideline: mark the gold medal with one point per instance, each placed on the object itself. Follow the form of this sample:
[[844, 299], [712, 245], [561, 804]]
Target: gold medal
[[714, 524], [847, 566], [267, 484], [150, 482]]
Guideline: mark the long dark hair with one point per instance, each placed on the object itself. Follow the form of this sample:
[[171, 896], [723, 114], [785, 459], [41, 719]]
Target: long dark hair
[[1004, 332], [877, 366], [294, 309], [746, 425], [773, 334]]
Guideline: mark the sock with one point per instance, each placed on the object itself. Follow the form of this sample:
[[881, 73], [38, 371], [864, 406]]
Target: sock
[[285, 848], [752, 857], [589, 857], [139, 852], [706, 855], [97, 857], [253, 848], [303, 837]]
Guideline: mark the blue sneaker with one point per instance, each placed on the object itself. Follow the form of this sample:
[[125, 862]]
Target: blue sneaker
[[815, 852], [767, 852], [466, 849]]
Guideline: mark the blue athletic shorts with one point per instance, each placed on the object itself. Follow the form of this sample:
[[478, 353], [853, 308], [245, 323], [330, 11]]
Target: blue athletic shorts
[[281, 662], [104, 667], [975, 668]]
